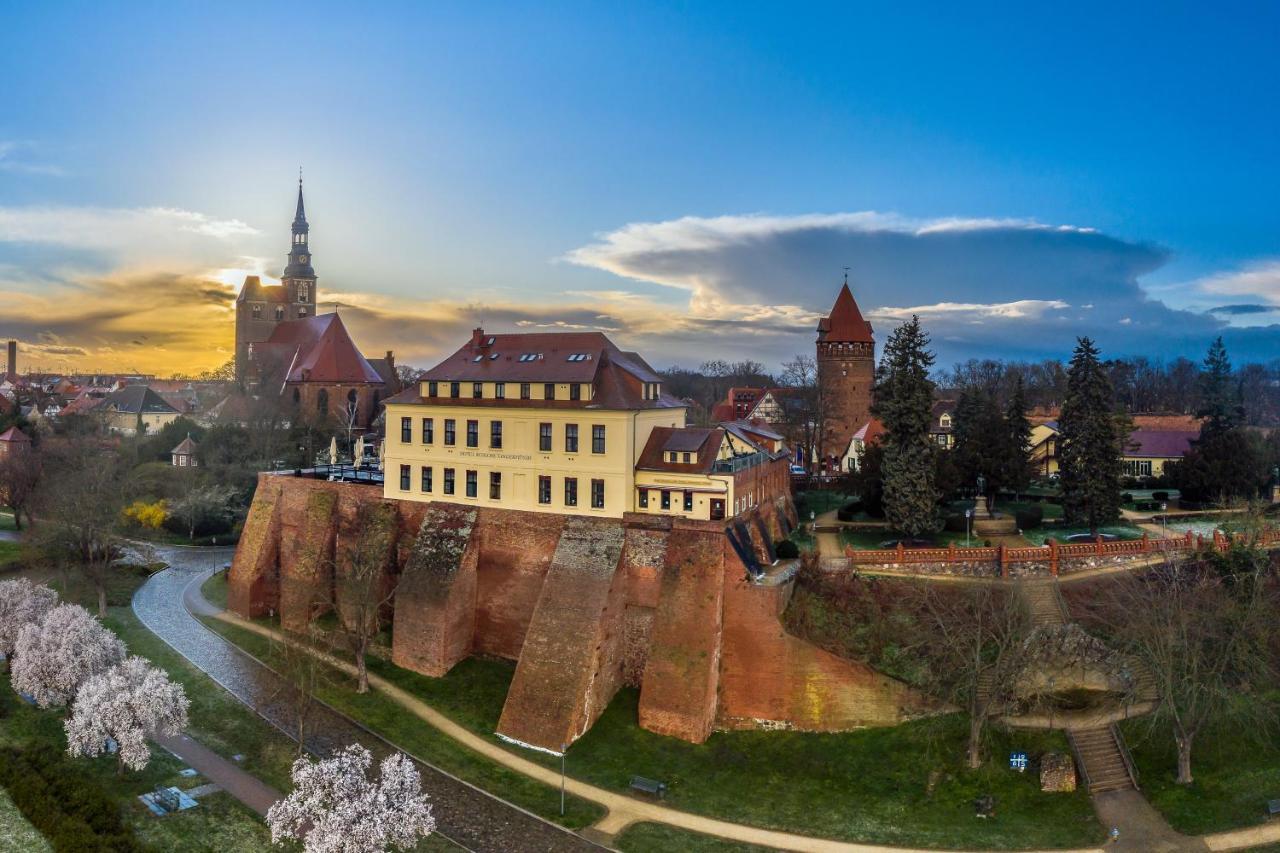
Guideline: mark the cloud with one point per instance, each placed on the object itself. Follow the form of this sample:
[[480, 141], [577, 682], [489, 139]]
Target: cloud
[[1240, 310], [997, 287], [1260, 279], [14, 159]]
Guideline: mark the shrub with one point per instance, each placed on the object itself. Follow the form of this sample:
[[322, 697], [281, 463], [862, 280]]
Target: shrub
[[1160, 496], [148, 515], [72, 812], [1126, 498], [955, 523], [849, 510], [787, 550], [1030, 517]]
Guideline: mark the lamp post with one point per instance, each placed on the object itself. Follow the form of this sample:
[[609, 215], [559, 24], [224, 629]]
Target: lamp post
[[1164, 520], [563, 750], [968, 525]]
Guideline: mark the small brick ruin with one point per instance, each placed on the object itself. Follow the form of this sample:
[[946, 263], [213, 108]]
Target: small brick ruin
[[583, 606]]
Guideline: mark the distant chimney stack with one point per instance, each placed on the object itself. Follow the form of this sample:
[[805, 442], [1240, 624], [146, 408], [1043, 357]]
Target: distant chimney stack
[[477, 335], [12, 366]]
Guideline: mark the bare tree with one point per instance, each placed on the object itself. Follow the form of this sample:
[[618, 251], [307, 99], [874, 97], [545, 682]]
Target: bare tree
[[1201, 626], [806, 405], [302, 673], [19, 476], [363, 585], [974, 639]]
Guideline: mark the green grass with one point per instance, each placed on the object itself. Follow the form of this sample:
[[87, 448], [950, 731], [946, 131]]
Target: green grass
[[6, 521], [17, 835], [471, 686], [659, 838], [819, 501], [9, 553], [1040, 535], [866, 785], [215, 589], [218, 824], [869, 540], [1235, 774], [1050, 510]]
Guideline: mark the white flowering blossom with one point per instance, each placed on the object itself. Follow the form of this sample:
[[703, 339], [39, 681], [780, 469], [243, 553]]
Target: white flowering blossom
[[55, 656], [129, 702], [21, 603], [343, 811]]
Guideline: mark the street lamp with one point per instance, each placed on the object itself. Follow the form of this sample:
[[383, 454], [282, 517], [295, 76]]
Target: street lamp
[[968, 524], [1164, 520]]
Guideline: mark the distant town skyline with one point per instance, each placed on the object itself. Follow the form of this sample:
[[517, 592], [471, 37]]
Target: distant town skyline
[[690, 180]]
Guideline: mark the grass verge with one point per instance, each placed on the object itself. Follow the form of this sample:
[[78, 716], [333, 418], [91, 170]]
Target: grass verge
[[659, 838], [870, 785]]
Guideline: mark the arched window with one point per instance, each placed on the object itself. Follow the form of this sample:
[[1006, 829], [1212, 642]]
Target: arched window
[[322, 402], [351, 396], [297, 398]]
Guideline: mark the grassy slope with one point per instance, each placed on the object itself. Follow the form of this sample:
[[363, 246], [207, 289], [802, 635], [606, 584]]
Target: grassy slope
[[1235, 774], [17, 835], [659, 838], [867, 785], [388, 719], [9, 554]]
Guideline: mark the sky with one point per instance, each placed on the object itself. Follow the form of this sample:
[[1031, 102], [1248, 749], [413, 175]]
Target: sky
[[692, 179]]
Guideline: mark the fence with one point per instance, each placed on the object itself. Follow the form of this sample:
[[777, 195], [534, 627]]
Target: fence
[[1052, 553]]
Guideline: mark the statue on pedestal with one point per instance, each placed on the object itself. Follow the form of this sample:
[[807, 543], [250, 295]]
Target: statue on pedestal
[[980, 498]]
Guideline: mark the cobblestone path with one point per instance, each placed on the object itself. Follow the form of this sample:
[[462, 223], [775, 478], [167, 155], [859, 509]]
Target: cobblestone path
[[465, 814]]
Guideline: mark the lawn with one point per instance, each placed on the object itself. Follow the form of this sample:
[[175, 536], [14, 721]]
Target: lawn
[[9, 553], [659, 838], [1050, 510], [470, 686], [870, 540], [17, 835], [1235, 774], [867, 785], [1040, 535], [215, 589], [6, 521], [819, 501]]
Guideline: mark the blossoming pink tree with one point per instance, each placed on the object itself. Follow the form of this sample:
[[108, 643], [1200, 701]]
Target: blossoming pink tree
[[129, 702], [54, 657], [21, 603], [341, 810]]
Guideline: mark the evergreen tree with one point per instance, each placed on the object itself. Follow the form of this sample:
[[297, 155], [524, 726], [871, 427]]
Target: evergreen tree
[[1016, 473], [1220, 402], [904, 403], [1090, 441]]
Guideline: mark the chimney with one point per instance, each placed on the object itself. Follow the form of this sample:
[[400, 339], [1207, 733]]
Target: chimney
[[12, 369], [477, 335], [391, 360]]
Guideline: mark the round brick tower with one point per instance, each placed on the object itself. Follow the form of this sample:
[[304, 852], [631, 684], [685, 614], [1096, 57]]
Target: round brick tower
[[846, 373]]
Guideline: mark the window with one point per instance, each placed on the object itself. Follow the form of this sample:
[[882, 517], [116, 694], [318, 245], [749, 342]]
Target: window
[[477, 390], [570, 438], [544, 490], [549, 391], [499, 390], [575, 391], [428, 430], [322, 403], [686, 458], [472, 489], [597, 494], [495, 485], [644, 498], [302, 312], [404, 478], [524, 390], [666, 499], [495, 434], [426, 478], [279, 312], [450, 436], [406, 430], [688, 501], [455, 389], [448, 481], [570, 491], [597, 438], [257, 312], [304, 292], [473, 433], [544, 438], [433, 388]]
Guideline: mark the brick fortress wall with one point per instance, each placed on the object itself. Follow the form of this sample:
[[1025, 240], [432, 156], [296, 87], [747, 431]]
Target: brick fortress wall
[[583, 606]]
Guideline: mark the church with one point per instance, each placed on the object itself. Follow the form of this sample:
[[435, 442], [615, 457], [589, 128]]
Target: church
[[284, 346]]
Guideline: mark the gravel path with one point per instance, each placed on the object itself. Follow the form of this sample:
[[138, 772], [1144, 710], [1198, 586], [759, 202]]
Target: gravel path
[[464, 814]]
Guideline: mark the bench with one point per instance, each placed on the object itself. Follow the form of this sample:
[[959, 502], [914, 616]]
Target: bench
[[1273, 808], [167, 799], [649, 786]]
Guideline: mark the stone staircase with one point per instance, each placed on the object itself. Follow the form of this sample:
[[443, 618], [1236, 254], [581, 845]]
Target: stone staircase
[[1043, 601], [1102, 759]]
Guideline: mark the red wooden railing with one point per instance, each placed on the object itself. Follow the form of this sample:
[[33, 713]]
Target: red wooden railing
[[1051, 553]]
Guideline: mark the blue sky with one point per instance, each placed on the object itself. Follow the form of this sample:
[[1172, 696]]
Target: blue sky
[[691, 178]]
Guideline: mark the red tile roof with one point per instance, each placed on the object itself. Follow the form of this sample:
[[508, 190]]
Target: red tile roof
[[13, 434], [845, 322], [317, 349], [703, 443]]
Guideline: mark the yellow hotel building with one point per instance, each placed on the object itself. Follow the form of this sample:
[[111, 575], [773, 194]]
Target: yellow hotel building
[[558, 423]]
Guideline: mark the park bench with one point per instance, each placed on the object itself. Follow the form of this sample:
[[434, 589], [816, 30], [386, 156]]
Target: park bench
[[649, 786], [1273, 808]]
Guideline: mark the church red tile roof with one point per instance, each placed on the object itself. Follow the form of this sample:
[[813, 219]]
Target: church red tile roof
[[845, 322], [317, 349]]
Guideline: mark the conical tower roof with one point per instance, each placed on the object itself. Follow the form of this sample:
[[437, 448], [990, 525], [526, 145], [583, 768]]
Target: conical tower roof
[[845, 322]]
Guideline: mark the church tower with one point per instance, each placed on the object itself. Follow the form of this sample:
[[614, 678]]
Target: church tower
[[846, 372], [260, 308]]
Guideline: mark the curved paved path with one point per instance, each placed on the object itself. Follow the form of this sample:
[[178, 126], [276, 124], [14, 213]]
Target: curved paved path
[[464, 813]]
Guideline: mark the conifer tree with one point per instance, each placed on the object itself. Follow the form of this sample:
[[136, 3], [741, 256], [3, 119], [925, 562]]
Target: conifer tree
[[1220, 403], [903, 403], [1090, 442], [1223, 463], [1016, 474]]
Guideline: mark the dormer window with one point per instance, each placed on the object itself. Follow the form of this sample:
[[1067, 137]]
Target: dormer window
[[945, 421]]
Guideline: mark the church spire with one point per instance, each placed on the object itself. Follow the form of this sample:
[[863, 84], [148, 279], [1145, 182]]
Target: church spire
[[299, 266]]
